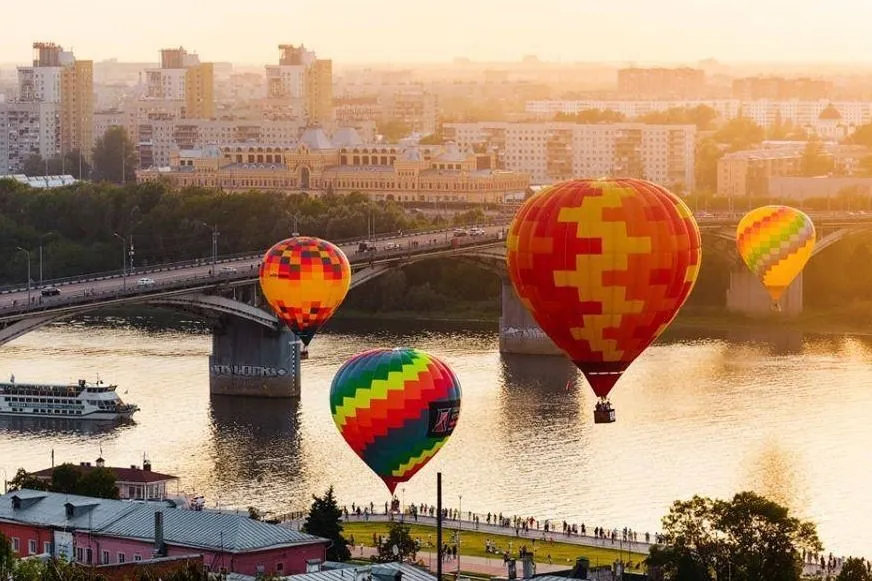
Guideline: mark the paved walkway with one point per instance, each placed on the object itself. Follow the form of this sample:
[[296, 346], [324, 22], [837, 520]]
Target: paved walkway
[[449, 525], [468, 564]]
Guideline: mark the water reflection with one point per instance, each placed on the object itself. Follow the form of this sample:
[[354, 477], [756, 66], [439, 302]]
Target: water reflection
[[254, 443], [38, 428], [775, 471]]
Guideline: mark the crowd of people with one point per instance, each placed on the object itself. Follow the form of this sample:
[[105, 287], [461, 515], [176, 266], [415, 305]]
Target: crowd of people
[[521, 526]]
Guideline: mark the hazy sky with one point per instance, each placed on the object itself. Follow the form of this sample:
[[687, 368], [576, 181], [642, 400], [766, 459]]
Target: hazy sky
[[353, 31]]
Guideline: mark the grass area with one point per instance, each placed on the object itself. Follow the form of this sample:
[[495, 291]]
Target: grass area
[[472, 543]]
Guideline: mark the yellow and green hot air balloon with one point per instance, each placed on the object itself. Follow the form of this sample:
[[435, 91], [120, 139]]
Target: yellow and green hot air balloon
[[776, 243]]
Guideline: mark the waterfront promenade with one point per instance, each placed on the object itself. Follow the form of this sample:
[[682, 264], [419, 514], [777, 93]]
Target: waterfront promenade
[[451, 525]]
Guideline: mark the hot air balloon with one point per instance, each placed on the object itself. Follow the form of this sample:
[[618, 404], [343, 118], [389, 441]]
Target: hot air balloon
[[603, 266], [776, 243], [395, 408], [304, 280]]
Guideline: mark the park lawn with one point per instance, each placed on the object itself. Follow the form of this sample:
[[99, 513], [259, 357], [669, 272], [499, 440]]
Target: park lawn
[[473, 543]]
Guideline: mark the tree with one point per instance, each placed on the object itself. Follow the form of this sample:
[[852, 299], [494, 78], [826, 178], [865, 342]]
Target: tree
[[740, 133], [114, 157], [855, 570], [24, 480], [98, 482], [747, 537], [65, 478], [393, 131], [324, 521], [399, 536], [253, 513], [6, 556], [708, 152], [815, 161]]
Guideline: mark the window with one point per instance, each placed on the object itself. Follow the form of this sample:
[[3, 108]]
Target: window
[[31, 547], [121, 558], [104, 558], [137, 557], [80, 554], [16, 545], [46, 547]]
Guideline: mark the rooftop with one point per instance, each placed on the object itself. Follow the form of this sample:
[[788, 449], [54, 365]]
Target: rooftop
[[118, 518], [122, 475]]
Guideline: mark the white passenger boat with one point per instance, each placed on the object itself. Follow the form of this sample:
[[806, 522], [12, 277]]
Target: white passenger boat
[[82, 400]]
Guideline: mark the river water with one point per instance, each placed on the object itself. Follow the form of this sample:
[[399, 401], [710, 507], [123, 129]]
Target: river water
[[784, 414]]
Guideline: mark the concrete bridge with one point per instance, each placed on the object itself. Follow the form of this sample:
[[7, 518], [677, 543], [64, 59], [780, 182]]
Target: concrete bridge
[[252, 354]]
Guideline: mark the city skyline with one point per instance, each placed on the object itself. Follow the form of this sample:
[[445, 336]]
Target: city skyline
[[390, 31]]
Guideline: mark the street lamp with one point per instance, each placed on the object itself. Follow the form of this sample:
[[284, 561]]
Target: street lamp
[[459, 527], [123, 257], [214, 229], [41, 244], [27, 253], [403, 506]]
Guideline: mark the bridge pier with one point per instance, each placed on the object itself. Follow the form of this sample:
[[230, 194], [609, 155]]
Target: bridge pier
[[251, 360], [519, 333], [747, 295]]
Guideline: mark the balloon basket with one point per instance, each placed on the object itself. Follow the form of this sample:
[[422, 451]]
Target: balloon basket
[[604, 415], [304, 353]]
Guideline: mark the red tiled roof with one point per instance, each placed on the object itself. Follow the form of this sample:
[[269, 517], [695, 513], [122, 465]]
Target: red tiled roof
[[136, 475]]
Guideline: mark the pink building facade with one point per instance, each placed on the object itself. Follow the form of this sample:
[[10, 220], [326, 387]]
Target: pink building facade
[[287, 560]]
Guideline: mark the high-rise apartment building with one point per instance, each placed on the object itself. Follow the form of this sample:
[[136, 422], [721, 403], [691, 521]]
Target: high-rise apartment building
[[302, 84], [661, 83], [182, 77], [53, 114], [781, 89]]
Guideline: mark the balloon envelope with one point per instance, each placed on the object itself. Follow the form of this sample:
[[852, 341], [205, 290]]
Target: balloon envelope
[[776, 243], [304, 280], [395, 408], [603, 266]]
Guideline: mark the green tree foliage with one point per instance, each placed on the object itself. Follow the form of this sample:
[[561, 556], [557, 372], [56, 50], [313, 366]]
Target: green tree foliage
[[745, 538], [589, 116], [24, 480], [862, 136], [69, 164], [324, 521], [6, 556], [399, 536], [815, 160], [702, 116], [70, 479], [392, 131], [708, 152], [253, 513], [433, 139], [75, 224], [855, 570], [114, 157], [740, 133]]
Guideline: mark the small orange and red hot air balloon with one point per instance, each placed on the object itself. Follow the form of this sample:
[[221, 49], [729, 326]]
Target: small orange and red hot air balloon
[[603, 266], [304, 280]]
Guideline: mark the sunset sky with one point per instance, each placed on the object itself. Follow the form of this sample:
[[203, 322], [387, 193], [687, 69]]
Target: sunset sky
[[354, 31]]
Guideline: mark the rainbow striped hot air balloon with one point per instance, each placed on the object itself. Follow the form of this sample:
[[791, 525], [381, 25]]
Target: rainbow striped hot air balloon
[[776, 243], [395, 408]]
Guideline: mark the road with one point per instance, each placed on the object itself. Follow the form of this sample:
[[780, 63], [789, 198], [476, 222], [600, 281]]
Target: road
[[110, 287]]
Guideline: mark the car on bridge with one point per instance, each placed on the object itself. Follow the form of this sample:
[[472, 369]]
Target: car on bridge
[[366, 247], [227, 269], [145, 282], [460, 232], [50, 291], [476, 231]]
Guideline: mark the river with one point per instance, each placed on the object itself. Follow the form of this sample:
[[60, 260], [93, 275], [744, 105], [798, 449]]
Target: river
[[784, 414]]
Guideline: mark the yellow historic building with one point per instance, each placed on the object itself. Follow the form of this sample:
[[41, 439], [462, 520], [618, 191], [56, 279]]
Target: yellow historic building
[[316, 164]]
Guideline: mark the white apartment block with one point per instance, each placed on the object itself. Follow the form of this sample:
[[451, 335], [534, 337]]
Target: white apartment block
[[765, 113], [22, 132], [555, 151]]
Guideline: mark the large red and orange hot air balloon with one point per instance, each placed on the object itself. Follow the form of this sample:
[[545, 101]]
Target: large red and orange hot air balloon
[[304, 280], [603, 266]]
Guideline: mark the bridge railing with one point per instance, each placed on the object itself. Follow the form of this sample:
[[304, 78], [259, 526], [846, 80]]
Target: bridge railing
[[205, 261], [87, 296]]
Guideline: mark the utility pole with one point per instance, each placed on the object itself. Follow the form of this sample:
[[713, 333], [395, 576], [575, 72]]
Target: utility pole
[[215, 234], [27, 253], [438, 526], [123, 257]]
